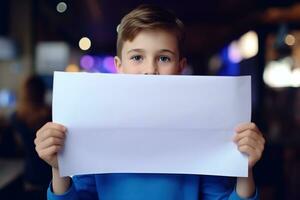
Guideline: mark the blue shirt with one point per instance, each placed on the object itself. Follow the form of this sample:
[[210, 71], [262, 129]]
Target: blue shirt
[[149, 187]]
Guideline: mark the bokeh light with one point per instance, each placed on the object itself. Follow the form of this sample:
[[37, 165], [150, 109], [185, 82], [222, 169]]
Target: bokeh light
[[279, 74], [295, 78], [215, 63], [7, 98], [61, 7], [244, 48], [248, 45], [109, 65], [290, 40], [87, 62], [234, 54], [85, 43], [72, 68]]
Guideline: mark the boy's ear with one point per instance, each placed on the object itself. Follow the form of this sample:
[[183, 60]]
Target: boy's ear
[[182, 64], [118, 64]]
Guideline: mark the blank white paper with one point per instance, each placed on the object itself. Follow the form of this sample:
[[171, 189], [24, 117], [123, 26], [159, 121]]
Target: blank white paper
[[121, 123]]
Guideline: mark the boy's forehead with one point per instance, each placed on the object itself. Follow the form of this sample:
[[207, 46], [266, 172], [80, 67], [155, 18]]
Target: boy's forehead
[[159, 40]]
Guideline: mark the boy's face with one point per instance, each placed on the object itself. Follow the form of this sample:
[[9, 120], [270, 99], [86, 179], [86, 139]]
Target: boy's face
[[151, 52]]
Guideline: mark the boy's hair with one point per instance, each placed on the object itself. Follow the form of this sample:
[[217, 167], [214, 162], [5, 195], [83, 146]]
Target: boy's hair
[[149, 17]]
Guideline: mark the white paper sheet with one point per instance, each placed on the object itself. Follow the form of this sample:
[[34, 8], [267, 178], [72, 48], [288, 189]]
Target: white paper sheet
[[151, 124]]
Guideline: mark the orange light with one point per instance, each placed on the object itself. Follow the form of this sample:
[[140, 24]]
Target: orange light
[[72, 68]]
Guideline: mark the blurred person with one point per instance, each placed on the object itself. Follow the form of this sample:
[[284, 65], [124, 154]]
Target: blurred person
[[31, 113]]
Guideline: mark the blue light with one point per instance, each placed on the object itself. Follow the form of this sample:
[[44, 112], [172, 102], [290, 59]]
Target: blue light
[[7, 98], [228, 68]]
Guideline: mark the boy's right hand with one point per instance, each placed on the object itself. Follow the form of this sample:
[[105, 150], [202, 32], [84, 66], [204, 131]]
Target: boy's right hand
[[49, 141]]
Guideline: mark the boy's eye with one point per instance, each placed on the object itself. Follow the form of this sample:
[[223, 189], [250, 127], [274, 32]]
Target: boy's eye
[[164, 59], [136, 58]]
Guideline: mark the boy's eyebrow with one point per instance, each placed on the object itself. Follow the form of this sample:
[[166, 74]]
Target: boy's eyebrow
[[167, 50], [135, 50], [160, 51]]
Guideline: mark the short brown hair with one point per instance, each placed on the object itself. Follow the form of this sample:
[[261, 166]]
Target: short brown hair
[[149, 17]]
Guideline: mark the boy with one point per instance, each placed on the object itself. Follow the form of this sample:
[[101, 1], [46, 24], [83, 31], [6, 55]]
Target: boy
[[150, 41]]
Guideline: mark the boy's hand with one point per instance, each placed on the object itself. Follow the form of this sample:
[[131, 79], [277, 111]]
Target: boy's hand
[[250, 141], [49, 140]]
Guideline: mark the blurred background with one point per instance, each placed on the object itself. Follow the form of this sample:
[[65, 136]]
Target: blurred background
[[260, 38]]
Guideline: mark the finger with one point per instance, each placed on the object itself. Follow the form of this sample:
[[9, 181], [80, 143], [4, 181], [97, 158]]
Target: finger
[[253, 154], [245, 126], [248, 133], [51, 125], [50, 151], [51, 141], [251, 142], [246, 149], [49, 133]]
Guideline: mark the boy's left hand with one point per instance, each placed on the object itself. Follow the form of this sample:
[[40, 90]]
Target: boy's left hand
[[250, 141]]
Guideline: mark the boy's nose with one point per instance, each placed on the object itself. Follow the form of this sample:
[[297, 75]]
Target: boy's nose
[[151, 69]]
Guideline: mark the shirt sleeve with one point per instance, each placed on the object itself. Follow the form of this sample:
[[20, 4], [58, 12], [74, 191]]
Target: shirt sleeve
[[82, 188], [218, 187], [235, 196]]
